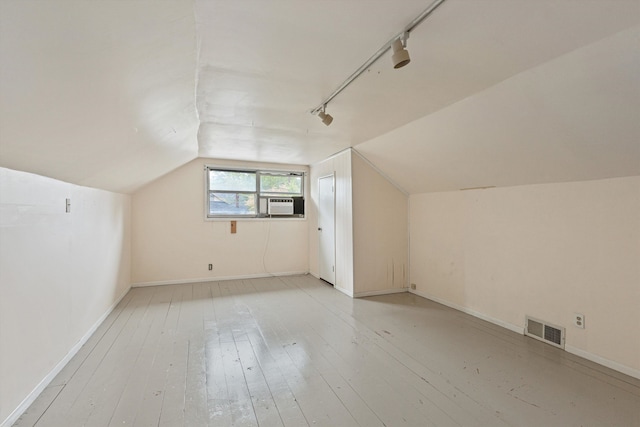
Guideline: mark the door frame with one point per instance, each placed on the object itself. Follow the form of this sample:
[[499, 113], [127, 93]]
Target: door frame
[[333, 194]]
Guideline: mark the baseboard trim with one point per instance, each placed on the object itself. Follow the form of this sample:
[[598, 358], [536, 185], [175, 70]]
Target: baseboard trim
[[627, 370], [603, 361], [217, 279], [509, 326], [344, 291], [380, 292], [31, 397]]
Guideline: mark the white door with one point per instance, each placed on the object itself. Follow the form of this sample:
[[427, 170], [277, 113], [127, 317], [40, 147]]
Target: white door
[[326, 229]]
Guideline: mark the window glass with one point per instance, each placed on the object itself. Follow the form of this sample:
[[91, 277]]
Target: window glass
[[232, 180], [281, 184], [249, 193], [232, 204]]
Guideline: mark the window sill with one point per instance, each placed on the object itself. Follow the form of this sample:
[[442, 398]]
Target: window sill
[[239, 218]]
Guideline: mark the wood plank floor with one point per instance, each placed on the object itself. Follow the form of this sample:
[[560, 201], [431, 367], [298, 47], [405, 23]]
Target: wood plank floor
[[292, 351]]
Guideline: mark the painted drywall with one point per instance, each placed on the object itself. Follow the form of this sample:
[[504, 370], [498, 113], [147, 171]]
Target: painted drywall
[[548, 250], [173, 242], [371, 229], [380, 231], [60, 273], [100, 94], [574, 118], [339, 166]]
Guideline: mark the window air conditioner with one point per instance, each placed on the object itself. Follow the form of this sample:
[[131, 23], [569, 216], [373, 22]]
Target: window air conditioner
[[280, 206]]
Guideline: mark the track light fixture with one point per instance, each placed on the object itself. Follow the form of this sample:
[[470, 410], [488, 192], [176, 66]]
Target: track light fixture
[[400, 58], [326, 118]]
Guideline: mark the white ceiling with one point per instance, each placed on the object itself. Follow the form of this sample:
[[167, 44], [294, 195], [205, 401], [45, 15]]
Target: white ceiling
[[98, 93], [499, 92]]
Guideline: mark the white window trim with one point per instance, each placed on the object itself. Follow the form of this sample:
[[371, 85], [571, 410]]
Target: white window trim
[[208, 167]]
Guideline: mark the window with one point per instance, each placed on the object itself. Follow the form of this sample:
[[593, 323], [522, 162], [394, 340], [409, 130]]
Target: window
[[249, 193]]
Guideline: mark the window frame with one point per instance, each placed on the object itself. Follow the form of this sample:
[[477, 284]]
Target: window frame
[[258, 194]]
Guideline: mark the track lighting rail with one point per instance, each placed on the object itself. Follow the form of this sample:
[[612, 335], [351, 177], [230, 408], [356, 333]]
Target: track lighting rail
[[402, 35]]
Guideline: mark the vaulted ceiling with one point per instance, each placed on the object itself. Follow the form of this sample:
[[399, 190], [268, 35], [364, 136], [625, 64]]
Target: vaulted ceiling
[[114, 94]]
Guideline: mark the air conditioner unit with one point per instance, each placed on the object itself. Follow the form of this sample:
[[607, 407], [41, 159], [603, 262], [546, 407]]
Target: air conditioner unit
[[280, 206]]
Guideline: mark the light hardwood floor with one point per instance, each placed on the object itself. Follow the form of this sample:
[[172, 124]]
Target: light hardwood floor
[[292, 351]]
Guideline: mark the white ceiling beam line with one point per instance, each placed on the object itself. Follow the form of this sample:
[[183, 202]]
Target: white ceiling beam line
[[402, 35]]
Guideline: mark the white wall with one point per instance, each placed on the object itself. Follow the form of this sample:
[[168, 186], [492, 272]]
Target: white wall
[[371, 228], [59, 275], [380, 231], [544, 250], [172, 242], [340, 166]]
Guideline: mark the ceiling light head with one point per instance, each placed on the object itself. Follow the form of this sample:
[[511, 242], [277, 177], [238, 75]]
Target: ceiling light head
[[400, 56], [326, 118]]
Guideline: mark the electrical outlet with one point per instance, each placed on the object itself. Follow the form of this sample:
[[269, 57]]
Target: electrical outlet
[[413, 286], [210, 267], [578, 320]]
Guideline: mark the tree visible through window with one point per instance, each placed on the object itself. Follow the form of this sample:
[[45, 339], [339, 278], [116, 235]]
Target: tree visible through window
[[281, 184], [232, 193], [241, 193]]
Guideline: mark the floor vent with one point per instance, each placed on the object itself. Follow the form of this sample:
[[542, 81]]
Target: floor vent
[[544, 331]]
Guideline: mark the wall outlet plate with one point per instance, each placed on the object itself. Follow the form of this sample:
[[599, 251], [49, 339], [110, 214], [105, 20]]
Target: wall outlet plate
[[578, 320], [413, 286]]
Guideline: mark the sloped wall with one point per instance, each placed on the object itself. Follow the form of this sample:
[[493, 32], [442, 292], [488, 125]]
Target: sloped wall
[[60, 274], [547, 250]]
